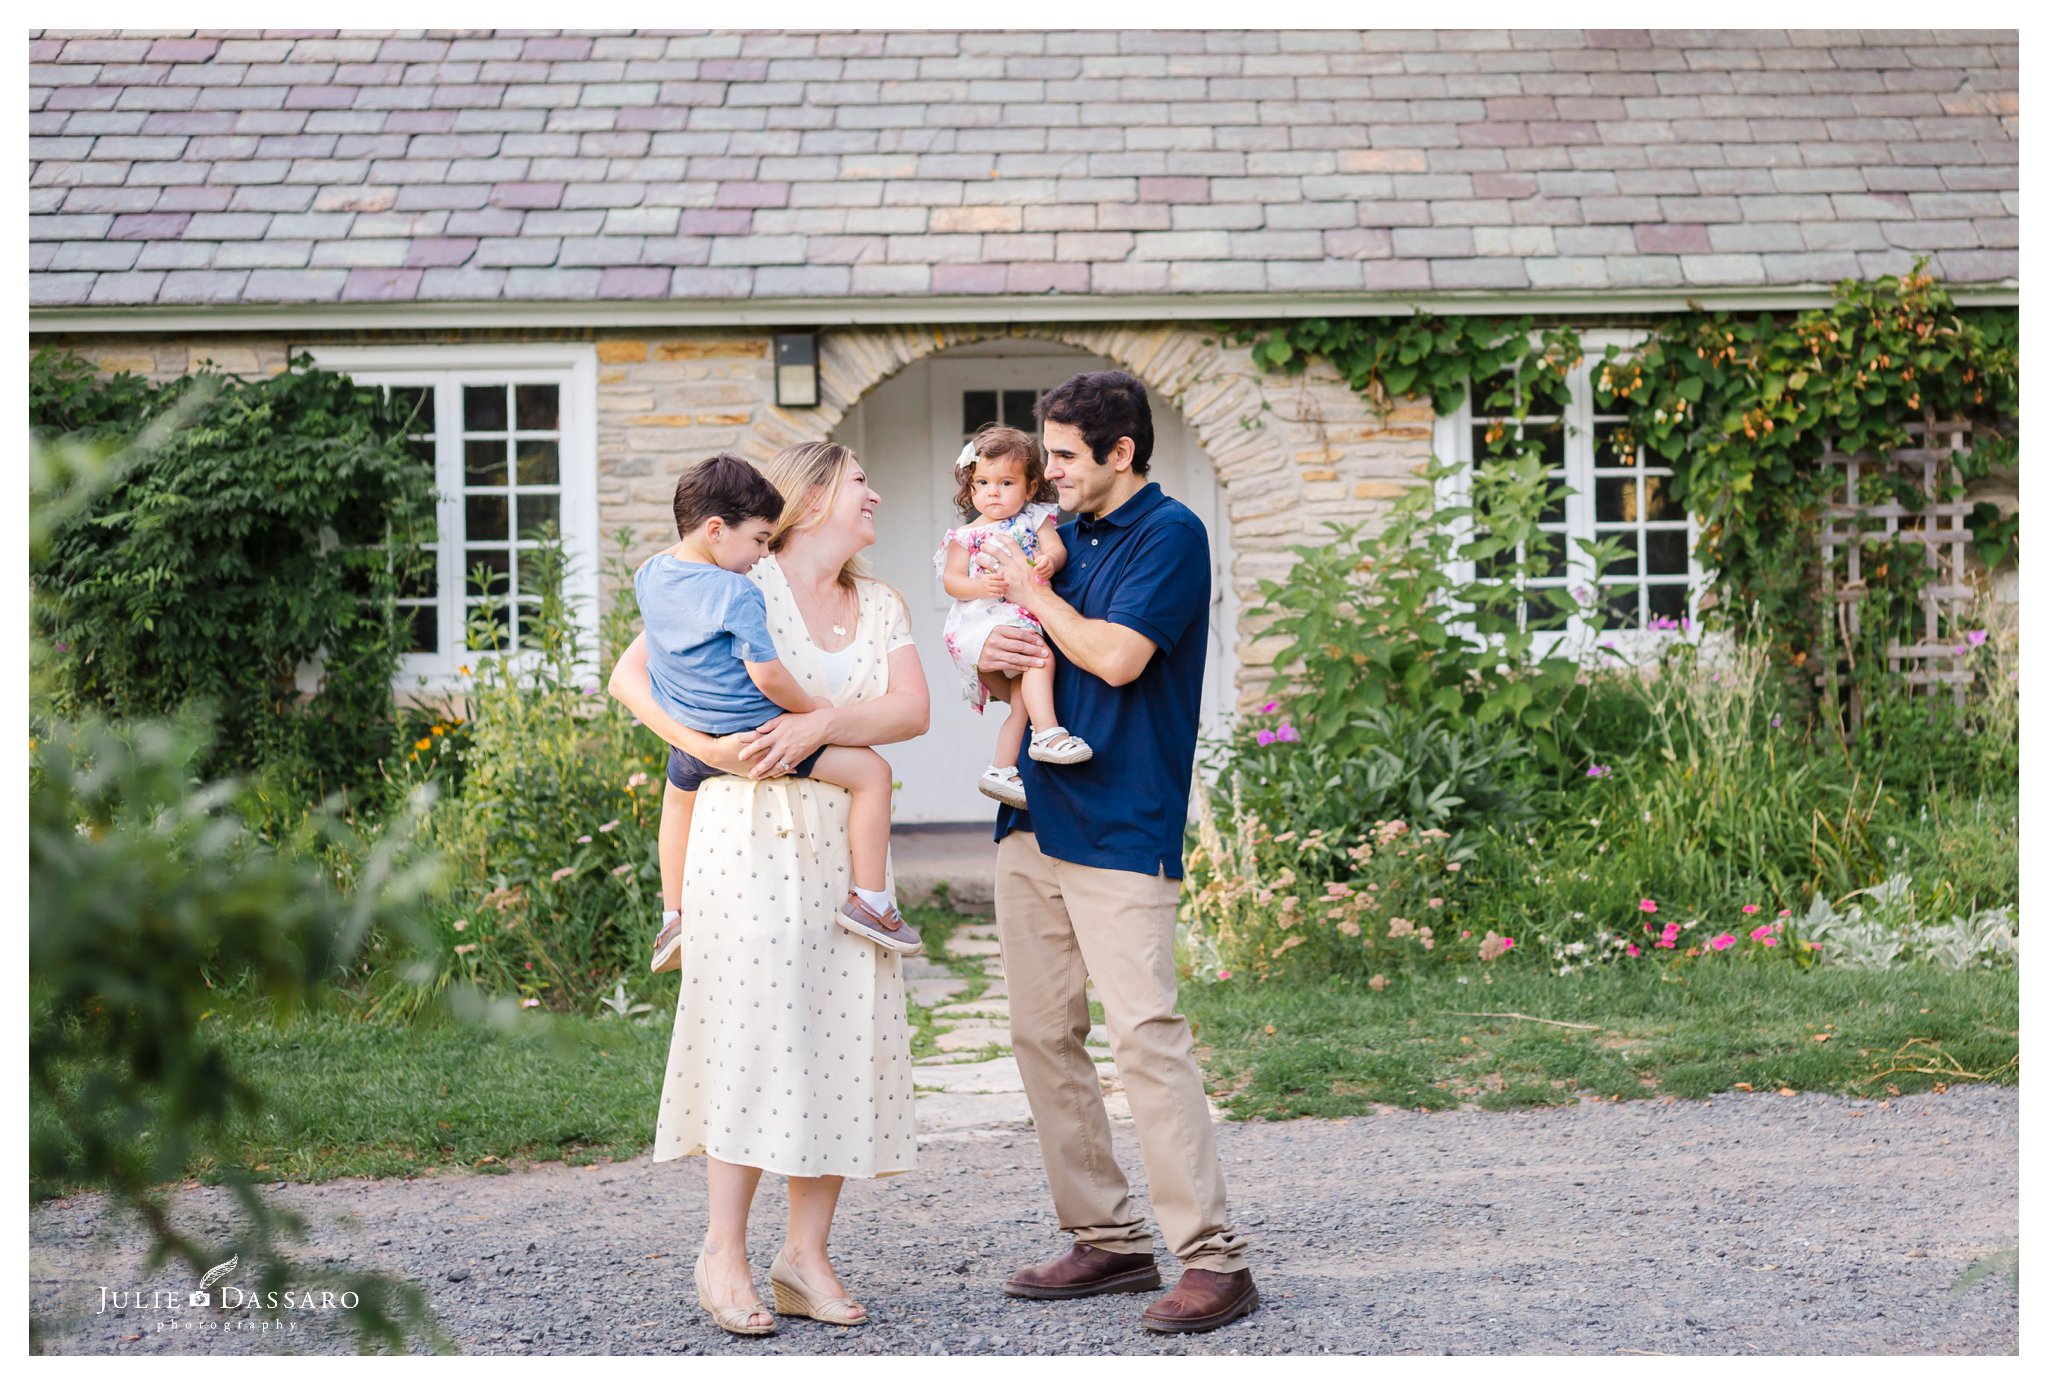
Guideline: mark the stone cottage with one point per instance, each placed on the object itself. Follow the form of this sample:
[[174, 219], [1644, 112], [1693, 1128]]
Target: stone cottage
[[584, 251]]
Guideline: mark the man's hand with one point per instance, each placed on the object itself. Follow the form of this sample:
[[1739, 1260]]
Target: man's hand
[[1027, 585], [1009, 651]]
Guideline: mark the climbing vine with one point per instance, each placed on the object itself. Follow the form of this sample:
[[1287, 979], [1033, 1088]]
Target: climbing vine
[[1739, 405]]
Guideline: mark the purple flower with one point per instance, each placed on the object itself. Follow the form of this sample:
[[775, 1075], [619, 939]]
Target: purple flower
[[1266, 738], [1977, 637], [60, 646], [1287, 733], [1777, 722], [1598, 771]]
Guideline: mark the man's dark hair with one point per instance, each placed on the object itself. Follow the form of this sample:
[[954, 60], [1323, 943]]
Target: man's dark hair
[[1105, 405], [724, 487]]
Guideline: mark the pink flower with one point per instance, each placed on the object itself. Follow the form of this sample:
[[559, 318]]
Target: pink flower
[[564, 871], [1648, 906], [1506, 943], [1266, 738], [638, 778], [1287, 733], [1598, 771], [1634, 951], [1751, 908], [1762, 934], [621, 870], [1722, 943], [1784, 913], [1270, 708], [529, 1003], [1222, 976], [1977, 637], [609, 826], [1453, 866], [583, 839], [1436, 902]]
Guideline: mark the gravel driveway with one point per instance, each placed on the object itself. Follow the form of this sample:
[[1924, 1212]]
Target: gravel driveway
[[1751, 1223]]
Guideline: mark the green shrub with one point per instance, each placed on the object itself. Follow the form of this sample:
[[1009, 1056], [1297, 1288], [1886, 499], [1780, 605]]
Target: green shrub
[[269, 531], [552, 805]]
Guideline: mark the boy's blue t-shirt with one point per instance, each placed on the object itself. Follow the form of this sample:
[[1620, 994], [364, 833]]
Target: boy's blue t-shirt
[[702, 623]]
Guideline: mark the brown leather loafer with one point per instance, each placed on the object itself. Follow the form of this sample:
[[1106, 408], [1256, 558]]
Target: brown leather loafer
[[1083, 1272], [1202, 1302]]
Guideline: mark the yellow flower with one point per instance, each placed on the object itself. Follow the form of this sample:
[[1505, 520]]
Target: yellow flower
[[423, 742], [440, 730]]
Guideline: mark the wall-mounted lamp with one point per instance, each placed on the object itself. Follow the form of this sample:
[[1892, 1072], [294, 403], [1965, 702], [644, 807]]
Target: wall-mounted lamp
[[796, 370]]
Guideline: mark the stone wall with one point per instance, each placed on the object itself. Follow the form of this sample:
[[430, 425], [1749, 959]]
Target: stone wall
[[1292, 452]]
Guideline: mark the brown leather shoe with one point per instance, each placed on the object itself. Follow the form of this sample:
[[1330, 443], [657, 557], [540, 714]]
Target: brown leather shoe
[[1083, 1272], [1202, 1302]]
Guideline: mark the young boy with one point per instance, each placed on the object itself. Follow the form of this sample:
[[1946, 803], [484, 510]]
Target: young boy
[[714, 668]]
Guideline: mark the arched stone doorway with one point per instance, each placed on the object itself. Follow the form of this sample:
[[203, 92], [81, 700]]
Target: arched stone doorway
[[1277, 457]]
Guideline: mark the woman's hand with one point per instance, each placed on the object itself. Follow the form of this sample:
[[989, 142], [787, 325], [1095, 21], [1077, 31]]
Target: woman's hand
[[1009, 650], [782, 744], [729, 754]]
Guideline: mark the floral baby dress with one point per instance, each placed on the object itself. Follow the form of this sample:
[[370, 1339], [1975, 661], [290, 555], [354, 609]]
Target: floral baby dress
[[968, 623]]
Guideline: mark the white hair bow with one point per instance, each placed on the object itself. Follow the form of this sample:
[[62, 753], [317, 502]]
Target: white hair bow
[[967, 458]]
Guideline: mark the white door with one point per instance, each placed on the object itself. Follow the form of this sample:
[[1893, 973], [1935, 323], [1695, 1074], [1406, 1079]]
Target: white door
[[908, 432]]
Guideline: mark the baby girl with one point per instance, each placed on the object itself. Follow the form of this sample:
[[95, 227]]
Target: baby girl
[[1003, 490]]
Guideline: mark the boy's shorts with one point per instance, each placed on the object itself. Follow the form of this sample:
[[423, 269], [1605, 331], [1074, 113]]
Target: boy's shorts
[[686, 772]]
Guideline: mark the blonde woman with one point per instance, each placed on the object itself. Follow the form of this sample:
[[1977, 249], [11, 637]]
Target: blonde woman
[[791, 1051]]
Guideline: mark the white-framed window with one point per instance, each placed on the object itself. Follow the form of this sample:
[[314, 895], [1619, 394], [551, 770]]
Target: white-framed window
[[510, 431], [1612, 492]]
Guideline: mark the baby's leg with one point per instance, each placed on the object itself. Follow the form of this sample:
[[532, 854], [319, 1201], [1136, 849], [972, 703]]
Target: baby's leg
[[1010, 739], [673, 842], [868, 778], [1036, 697]]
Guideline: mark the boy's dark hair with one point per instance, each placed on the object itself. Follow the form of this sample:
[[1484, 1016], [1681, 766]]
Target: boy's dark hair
[[724, 487], [998, 442], [1105, 405]]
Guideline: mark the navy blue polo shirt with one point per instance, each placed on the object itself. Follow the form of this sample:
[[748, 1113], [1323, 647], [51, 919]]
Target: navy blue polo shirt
[[1145, 566]]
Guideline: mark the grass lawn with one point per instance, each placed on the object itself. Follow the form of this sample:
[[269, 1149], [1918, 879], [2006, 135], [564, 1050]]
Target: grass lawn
[[350, 1097], [1339, 1050]]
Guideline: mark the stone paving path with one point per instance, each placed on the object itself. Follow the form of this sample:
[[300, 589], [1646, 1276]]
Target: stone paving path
[[972, 1082]]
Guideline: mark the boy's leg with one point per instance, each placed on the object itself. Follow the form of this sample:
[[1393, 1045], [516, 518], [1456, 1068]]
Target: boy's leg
[[672, 844], [867, 777]]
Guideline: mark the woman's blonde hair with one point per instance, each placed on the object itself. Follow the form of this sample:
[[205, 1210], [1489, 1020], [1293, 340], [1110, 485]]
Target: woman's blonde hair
[[800, 473]]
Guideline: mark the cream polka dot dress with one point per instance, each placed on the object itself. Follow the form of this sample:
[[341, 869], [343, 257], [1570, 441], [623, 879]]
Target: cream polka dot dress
[[791, 1050]]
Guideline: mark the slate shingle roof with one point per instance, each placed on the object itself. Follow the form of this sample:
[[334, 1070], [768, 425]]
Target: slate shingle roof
[[330, 167]]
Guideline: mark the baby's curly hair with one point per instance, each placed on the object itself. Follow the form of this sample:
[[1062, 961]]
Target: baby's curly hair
[[997, 441]]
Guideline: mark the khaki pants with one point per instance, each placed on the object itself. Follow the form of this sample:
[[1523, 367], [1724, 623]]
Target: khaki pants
[[1061, 924]]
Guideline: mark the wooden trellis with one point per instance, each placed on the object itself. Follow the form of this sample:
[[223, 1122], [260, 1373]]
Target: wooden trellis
[[1928, 460]]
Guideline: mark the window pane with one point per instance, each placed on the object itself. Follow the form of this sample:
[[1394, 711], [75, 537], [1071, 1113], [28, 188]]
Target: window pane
[[484, 517], [1494, 396], [536, 408], [976, 408], [540, 463], [1664, 552], [424, 622], [1553, 503], [488, 626], [535, 565], [417, 577], [1614, 500], [483, 408], [1610, 445], [416, 404], [1500, 567], [483, 461], [1624, 608], [1019, 409], [1668, 601], [1628, 564], [422, 450], [538, 514], [497, 574], [1549, 441], [1553, 557], [1545, 611], [1657, 501]]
